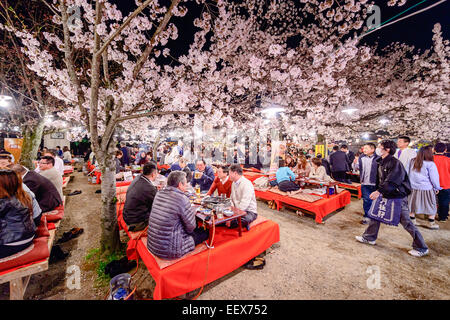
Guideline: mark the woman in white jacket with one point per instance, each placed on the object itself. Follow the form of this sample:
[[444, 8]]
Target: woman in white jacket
[[318, 171]]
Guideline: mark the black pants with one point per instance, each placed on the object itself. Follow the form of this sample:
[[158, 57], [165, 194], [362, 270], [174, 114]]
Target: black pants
[[286, 186], [341, 176], [37, 220], [443, 203], [200, 235], [6, 251]]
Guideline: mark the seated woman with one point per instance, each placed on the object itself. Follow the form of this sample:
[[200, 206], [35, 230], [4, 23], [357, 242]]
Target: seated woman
[[119, 167], [143, 159], [67, 156], [302, 168], [286, 178], [16, 209], [318, 171]]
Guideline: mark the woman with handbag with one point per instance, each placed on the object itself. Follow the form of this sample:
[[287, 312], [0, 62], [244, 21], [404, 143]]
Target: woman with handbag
[[424, 178], [390, 204]]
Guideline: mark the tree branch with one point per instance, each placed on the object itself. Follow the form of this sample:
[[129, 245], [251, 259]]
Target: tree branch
[[156, 113], [123, 26]]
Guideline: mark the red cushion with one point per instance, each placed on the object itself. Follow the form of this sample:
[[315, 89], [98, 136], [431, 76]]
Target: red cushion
[[37, 254], [122, 183], [55, 215], [42, 229]]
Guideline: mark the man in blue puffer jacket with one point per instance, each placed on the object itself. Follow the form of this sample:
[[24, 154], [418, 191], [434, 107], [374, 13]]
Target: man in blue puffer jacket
[[172, 230]]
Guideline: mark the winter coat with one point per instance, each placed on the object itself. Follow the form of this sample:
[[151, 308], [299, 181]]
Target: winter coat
[[139, 200], [392, 180], [16, 223], [339, 161], [171, 223], [44, 190], [206, 180]]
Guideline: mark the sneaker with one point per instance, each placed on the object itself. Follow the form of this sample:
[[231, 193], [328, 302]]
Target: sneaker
[[416, 253], [362, 240], [414, 221], [433, 225]]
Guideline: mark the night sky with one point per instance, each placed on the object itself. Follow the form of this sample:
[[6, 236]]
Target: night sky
[[416, 30]]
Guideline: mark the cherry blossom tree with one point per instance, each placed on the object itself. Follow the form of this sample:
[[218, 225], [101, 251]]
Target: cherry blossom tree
[[31, 102]]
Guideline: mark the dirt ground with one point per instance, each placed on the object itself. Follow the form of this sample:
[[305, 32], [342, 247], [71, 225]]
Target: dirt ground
[[310, 262]]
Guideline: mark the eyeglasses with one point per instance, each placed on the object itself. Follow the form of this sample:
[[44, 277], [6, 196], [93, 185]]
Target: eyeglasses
[[44, 162]]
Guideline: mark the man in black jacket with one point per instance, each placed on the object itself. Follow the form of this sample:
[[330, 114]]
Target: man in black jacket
[[139, 199], [350, 155], [44, 190], [393, 183], [339, 165]]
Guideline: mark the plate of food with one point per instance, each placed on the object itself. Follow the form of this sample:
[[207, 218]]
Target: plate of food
[[205, 211]]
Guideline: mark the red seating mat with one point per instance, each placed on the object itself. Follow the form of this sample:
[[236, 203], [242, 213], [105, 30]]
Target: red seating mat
[[189, 274], [38, 254], [42, 229], [320, 208], [122, 183], [54, 215], [252, 176]]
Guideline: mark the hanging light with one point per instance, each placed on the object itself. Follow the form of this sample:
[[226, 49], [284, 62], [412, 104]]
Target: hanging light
[[5, 101], [350, 111], [272, 111]]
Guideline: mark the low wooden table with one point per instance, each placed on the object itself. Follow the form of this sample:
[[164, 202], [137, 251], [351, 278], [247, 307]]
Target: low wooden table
[[238, 214], [328, 185]]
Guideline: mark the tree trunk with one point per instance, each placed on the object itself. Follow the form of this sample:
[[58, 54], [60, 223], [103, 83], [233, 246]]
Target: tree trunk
[[155, 146], [110, 241], [32, 136]]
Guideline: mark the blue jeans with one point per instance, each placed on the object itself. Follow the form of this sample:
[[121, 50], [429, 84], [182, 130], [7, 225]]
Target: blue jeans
[[418, 244], [366, 190]]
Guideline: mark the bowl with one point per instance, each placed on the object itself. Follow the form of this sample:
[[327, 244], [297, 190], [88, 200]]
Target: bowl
[[227, 213]]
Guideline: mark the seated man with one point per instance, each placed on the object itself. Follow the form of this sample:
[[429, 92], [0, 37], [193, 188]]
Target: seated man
[[47, 170], [45, 192], [203, 176], [172, 229], [139, 198], [222, 182], [6, 158], [242, 196], [59, 163]]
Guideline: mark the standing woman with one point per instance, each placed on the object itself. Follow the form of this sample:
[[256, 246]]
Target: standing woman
[[17, 229], [424, 178]]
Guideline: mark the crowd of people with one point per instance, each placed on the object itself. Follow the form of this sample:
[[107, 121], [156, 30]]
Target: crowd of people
[[26, 194], [390, 170], [417, 183]]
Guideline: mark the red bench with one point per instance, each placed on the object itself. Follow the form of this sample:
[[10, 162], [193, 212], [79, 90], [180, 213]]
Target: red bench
[[18, 269], [202, 266], [352, 187], [320, 208]]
